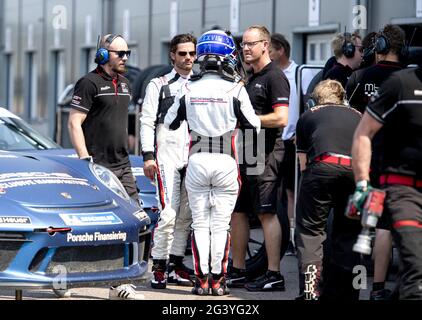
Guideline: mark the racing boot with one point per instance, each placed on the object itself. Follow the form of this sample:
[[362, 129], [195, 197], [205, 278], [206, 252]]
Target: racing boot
[[202, 286], [159, 278], [178, 273], [219, 285]]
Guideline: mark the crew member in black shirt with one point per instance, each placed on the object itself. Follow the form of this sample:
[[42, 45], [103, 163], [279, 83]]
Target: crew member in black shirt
[[324, 139], [269, 91], [368, 60], [389, 47], [99, 117], [398, 110], [348, 52], [98, 123]]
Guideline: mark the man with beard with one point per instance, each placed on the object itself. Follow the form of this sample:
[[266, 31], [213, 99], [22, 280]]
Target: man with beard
[[98, 121], [165, 158]]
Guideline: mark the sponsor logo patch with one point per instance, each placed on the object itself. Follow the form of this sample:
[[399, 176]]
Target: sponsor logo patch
[[15, 220], [90, 219], [97, 236], [25, 179], [125, 88], [105, 88]]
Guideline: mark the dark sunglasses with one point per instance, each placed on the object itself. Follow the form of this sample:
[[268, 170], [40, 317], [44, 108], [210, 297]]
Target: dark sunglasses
[[122, 53], [184, 53]]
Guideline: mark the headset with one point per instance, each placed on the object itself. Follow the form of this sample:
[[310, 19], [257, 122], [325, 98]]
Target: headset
[[348, 47], [382, 46], [103, 56]]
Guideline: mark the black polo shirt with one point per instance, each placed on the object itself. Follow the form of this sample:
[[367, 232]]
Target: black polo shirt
[[399, 107], [269, 89], [106, 101], [327, 129], [364, 84], [340, 73]]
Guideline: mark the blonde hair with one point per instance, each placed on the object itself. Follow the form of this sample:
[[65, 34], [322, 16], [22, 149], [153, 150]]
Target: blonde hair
[[329, 92], [340, 39], [263, 31]]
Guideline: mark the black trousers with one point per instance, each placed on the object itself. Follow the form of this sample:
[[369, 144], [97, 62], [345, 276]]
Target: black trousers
[[324, 187], [127, 179], [404, 205]]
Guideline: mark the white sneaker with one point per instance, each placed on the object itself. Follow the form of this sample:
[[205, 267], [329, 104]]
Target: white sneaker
[[124, 292]]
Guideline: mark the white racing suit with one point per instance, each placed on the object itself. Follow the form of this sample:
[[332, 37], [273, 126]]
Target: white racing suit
[[213, 107], [170, 150]]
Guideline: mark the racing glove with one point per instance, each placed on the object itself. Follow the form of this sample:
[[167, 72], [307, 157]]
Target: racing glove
[[363, 188]]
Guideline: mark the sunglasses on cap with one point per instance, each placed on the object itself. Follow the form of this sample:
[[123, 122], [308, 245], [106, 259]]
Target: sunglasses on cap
[[122, 53], [184, 53]]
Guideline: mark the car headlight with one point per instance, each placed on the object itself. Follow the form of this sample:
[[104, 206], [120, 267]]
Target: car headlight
[[108, 178]]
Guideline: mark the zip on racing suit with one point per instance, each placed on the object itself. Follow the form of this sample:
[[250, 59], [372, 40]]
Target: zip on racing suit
[[170, 150], [212, 107]]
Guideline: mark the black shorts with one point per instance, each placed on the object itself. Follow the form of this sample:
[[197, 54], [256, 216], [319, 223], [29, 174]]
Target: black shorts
[[289, 164], [259, 194]]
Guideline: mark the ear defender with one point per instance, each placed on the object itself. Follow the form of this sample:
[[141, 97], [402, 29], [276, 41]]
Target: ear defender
[[348, 47], [102, 55], [382, 46]]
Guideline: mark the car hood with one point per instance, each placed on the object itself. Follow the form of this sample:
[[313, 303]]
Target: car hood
[[57, 185], [144, 184]]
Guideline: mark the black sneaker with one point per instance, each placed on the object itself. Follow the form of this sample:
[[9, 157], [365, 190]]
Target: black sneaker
[[291, 250], [219, 286], [236, 278], [179, 275], [270, 281], [379, 295], [202, 287]]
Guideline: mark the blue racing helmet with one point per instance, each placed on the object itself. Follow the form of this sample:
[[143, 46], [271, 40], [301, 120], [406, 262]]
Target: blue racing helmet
[[217, 43]]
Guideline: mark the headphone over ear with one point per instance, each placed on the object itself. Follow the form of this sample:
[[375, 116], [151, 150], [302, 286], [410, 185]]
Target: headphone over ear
[[382, 46], [103, 56], [348, 47]]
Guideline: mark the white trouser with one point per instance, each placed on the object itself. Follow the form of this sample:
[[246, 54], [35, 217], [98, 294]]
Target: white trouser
[[212, 185], [173, 228]]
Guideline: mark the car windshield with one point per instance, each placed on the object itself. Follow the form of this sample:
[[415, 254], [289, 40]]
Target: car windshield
[[16, 135]]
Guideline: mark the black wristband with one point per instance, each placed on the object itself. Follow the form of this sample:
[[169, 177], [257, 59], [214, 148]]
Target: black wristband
[[148, 156]]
